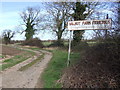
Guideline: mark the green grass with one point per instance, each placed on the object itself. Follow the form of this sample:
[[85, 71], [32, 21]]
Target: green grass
[[74, 57], [55, 68], [17, 59], [34, 48], [2, 56], [32, 63], [46, 43], [66, 43], [37, 49], [0, 67], [91, 43], [11, 62]]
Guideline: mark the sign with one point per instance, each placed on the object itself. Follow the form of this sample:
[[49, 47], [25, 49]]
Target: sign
[[89, 24]]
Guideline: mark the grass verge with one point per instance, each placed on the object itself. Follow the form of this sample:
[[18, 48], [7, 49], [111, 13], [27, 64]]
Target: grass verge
[[17, 59], [55, 67], [34, 48], [2, 56], [0, 67], [46, 43], [32, 63]]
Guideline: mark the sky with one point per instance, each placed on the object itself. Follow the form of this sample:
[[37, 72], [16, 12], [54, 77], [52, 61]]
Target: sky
[[10, 19]]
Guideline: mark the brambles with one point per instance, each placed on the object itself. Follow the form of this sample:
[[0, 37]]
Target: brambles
[[80, 47], [98, 68], [33, 42]]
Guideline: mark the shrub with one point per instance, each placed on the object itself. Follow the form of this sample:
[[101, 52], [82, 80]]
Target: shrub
[[56, 44], [33, 42], [80, 47], [98, 68]]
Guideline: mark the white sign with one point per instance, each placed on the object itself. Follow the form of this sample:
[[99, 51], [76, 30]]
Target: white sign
[[89, 24]]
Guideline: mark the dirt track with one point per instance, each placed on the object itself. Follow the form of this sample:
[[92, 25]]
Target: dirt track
[[29, 78]]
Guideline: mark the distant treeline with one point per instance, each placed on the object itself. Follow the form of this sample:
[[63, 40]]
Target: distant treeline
[[21, 41]]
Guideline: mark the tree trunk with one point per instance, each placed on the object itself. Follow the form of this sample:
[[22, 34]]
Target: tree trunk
[[59, 36]]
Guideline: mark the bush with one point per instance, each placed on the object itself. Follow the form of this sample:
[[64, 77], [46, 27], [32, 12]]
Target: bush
[[98, 68], [56, 44], [33, 42], [80, 47]]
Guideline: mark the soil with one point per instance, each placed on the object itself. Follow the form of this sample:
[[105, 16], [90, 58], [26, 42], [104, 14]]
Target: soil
[[7, 50], [29, 78]]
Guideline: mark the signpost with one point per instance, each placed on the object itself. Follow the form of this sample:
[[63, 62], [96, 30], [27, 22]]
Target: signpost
[[90, 24], [104, 24]]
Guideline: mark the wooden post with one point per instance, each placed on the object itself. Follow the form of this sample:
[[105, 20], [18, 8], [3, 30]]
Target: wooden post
[[106, 31], [69, 50]]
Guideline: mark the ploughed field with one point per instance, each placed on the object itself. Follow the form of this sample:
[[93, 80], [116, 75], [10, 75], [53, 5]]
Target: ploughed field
[[6, 50]]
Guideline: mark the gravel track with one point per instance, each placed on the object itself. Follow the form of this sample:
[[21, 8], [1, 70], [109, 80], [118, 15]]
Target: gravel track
[[29, 78]]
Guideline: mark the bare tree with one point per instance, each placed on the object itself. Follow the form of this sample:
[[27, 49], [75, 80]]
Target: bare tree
[[58, 17], [112, 13], [7, 35], [62, 12], [115, 33], [100, 35], [31, 19]]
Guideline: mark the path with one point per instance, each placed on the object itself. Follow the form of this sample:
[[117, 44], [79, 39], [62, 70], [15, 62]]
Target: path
[[13, 78]]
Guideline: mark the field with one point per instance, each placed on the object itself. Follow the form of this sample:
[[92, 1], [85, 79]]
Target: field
[[51, 64], [12, 56], [7, 50], [18, 61]]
